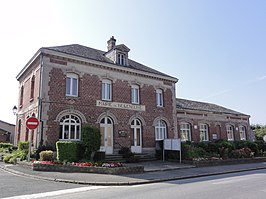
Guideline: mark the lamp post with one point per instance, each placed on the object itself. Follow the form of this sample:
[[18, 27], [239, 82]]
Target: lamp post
[[15, 109]]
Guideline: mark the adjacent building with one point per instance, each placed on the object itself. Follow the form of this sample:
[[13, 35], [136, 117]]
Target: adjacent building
[[203, 122], [134, 105], [7, 131]]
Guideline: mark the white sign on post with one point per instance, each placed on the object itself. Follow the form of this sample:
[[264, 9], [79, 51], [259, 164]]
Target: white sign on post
[[172, 145]]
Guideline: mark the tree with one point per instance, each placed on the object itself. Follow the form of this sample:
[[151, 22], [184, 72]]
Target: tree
[[260, 131], [91, 140]]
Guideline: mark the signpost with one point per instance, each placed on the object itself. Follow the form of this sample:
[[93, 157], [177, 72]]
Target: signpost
[[31, 123], [172, 144]]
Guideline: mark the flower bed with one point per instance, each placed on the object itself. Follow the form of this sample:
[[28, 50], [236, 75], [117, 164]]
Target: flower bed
[[201, 162], [86, 167]]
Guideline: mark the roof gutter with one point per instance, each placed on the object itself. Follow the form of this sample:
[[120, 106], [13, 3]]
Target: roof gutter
[[29, 63]]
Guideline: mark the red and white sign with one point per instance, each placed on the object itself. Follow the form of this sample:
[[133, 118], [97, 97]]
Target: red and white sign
[[32, 123]]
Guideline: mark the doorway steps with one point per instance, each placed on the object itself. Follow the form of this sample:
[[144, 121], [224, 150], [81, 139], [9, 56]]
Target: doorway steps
[[119, 157]]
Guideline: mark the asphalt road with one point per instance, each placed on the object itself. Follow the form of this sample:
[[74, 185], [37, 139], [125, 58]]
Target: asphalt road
[[14, 185], [244, 185]]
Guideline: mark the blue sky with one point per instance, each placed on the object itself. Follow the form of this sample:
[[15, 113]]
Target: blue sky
[[217, 49]]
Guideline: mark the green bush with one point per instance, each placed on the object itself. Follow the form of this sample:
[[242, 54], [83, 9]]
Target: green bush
[[67, 151], [46, 155], [23, 145], [91, 140], [8, 146], [40, 149]]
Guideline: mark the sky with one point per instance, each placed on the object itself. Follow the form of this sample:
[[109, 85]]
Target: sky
[[217, 49]]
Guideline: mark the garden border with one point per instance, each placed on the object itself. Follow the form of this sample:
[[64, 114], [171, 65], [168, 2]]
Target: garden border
[[87, 169], [205, 163]]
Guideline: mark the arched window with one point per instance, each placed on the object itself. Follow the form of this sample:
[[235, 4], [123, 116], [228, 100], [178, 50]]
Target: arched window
[[106, 129], [230, 132], [70, 126], [136, 132], [32, 87], [204, 132], [160, 130], [185, 131], [19, 131], [21, 95], [242, 132], [72, 85]]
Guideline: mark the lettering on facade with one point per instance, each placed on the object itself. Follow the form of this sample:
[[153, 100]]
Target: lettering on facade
[[119, 105]]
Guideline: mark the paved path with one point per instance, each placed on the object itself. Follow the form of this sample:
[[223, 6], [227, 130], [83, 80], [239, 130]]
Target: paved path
[[155, 171]]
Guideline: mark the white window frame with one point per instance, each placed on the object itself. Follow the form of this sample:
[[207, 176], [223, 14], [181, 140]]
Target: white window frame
[[159, 97], [230, 133], [70, 121], [204, 132], [135, 94], [71, 77], [106, 90], [121, 59], [185, 131], [160, 130], [242, 133]]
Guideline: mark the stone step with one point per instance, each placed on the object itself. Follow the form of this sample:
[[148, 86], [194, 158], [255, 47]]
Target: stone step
[[119, 157]]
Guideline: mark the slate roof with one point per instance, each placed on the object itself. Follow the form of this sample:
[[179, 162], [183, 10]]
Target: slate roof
[[98, 55], [203, 106]]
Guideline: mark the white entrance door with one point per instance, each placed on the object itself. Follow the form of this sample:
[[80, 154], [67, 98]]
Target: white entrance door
[[136, 146], [106, 127]]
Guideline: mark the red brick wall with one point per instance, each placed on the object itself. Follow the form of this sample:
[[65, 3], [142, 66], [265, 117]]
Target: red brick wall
[[213, 127], [90, 91]]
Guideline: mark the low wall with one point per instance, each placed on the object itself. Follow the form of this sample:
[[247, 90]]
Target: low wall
[[203, 163], [84, 169]]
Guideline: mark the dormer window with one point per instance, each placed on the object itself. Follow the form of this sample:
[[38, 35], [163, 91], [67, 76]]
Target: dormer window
[[121, 59]]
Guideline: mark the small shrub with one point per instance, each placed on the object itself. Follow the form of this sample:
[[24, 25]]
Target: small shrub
[[8, 146], [23, 146], [91, 140], [41, 148], [67, 151], [46, 155], [7, 158]]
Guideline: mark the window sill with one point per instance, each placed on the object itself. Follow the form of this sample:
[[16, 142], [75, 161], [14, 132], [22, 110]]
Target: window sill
[[72, 97], [107, 100], [74, 140]]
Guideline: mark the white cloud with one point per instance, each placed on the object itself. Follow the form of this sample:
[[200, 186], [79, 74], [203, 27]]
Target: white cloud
[[262, 78]]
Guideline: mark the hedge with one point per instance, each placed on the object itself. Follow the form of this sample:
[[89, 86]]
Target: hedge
[[68, 151]]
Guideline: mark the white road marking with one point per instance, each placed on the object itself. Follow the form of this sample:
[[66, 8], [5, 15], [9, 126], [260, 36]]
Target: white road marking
[[236, 179], [57, 193]]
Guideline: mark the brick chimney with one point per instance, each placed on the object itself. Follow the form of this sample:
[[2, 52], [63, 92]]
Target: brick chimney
[[111, 43]]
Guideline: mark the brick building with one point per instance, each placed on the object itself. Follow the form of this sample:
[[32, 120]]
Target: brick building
[[201, 122], [7, 131], [132, 104], [67, 86]]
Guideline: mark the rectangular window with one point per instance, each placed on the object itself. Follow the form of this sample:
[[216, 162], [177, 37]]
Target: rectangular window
[[159, 98], [135, 94], [106, 90], [230, 133], [242, 132], [204, 132], [72, 85], [121, 59], [185, 132]]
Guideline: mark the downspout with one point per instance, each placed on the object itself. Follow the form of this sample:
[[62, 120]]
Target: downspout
[[39, 137]]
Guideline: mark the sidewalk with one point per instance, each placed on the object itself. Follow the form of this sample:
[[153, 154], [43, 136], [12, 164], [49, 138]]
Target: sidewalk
[[155, 171]]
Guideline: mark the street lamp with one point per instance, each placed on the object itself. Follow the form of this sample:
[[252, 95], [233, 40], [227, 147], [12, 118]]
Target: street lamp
[[15, 109]]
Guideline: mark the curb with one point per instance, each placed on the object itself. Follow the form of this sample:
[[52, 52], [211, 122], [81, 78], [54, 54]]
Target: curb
[[130, 183]]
